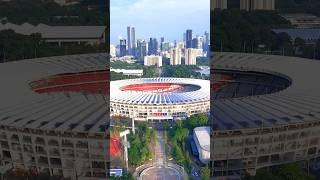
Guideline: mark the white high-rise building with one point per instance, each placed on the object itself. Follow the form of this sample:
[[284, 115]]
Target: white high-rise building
[[175, 56], [180, 45], [191, 55], [200, 42], [153, 60], [113, 50]]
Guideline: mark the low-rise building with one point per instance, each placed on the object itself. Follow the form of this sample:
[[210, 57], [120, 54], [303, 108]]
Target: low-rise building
[[201, 137], [61, 34], [153, 60], [129, 72]]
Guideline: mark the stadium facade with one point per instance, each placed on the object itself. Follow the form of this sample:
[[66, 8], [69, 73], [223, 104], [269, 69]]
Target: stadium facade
[[159, 99], [53, 116], [265, 113]]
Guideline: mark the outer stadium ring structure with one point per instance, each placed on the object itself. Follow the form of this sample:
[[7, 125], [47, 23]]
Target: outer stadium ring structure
[[265, 112], [53, 116], [158, 99]]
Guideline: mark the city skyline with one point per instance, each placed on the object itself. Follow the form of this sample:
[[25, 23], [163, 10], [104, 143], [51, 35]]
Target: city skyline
[[153, 22], [193, 45], [185, 37]]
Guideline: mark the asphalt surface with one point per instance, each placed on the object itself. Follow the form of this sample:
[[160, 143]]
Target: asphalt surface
[[160, 171]]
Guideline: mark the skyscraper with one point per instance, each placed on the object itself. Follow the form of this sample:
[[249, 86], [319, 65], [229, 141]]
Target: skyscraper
[[133, 42], [191, 56], [162, 39], [129, 39], [194, 43], [153, 46], [123, 47], [161, 43], [189, 38], [165, 46], [206, 42], [141, 48], [112, 50], [175, 56], [199, 42]]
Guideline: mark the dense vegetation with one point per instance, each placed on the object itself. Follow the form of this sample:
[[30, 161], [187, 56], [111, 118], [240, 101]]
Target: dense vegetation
[[205, 173], [177, 135], [15, 46], [203, 61], [51, 13], [140, 145], [178, 150], [284, 172], [181, 71], [196, 120], [251, 32], [242, 31]]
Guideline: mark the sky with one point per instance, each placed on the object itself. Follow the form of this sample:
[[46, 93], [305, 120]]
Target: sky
[[158, 18]]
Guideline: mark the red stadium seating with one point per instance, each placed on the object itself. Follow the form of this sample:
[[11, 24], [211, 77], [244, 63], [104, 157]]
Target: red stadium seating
[[93, 82], [153, 87]]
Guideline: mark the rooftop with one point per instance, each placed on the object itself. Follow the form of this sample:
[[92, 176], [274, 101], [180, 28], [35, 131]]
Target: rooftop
[[56, 32], [22, 107], [203, 136], [299, 103]]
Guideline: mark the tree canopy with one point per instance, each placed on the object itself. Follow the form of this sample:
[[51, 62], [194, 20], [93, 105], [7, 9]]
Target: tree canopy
[[51, 13], [205, 173]]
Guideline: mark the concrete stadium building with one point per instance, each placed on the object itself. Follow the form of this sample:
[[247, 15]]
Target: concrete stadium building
[[266, 112], [53, 116], [159, 99]]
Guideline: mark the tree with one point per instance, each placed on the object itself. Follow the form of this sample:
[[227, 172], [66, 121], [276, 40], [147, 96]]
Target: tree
[[177, 153], [180, 71], [205, 173], [202, 119], [187, 162], [192, 122], [197, 120], [180, 134], [293, 172], [154, 136], [263, 174]]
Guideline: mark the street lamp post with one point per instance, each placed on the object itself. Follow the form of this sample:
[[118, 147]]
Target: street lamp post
[[126, 146]]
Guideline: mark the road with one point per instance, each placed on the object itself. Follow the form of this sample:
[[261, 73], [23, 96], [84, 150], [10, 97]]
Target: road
[[160, 169], [160, 150]]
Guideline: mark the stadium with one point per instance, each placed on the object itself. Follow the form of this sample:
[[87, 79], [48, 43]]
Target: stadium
[[53, 116], [266, 112], [159, 99]]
